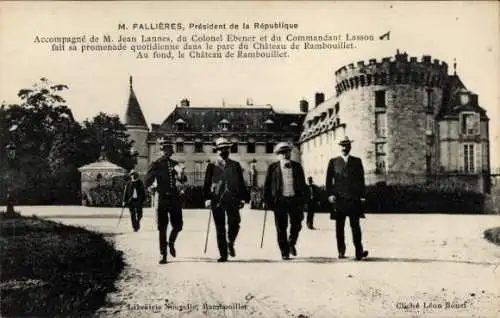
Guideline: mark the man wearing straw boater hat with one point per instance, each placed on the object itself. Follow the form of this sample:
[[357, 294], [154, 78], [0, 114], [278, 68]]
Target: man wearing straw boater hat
[[165, 172], [345, 185], [285, 193], [134, 197], [225, 193]]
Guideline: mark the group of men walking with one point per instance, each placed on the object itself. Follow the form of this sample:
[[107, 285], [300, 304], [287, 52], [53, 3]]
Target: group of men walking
[[286, 193]]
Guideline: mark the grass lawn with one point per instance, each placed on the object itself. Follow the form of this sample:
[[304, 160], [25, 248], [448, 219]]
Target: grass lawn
[[493, 235], [53, 270]]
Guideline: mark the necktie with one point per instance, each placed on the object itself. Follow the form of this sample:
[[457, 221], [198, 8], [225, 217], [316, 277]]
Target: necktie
[[288, 165]]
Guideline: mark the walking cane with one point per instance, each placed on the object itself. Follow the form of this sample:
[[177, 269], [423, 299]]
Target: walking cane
[[120, 218], [153, 207], [263, 229], [208, 230], [123, 205]]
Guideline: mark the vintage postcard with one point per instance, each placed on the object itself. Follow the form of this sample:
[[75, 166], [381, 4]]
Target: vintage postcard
[[255, 158]]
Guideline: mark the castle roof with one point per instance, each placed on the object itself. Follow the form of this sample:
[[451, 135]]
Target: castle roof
[[247, 119], [452, 104], [134, 115]]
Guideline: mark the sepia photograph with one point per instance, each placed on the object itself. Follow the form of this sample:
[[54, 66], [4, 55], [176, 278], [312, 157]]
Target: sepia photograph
[[249, 159]]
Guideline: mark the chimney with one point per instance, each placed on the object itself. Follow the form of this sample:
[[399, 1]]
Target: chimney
[[318, 99], [474, 99], [249, 101], [185, 102], [304, 106]]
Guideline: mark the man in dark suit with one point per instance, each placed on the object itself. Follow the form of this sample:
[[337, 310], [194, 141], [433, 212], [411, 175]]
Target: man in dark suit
[[313, 202], [285, 193], [225, 193], [345, 184], [164, 177], [134, 197]]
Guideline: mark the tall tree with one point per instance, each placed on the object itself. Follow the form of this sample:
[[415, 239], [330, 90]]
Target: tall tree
[[107, 135]]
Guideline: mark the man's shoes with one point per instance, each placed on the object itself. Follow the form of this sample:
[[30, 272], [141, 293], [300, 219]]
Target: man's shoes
[[285, 257], [222, 259], [163, 259], [171, 248], [293, 250], [361, 255], [230, 248], [341, 255]]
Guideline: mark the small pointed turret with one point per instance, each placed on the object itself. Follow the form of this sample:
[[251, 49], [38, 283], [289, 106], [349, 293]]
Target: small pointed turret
[[134, 115]]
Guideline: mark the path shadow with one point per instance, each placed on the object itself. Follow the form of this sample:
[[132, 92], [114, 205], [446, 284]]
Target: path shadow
[[328, 260], [422, 260]]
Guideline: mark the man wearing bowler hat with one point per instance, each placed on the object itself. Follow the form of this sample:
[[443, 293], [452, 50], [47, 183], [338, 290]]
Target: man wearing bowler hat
[[345, 185], [225, 192], [285, 192], [133, 197], [165, 172]]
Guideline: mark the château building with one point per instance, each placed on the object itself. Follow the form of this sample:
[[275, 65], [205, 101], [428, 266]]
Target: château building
[[412, 123], [254, 130]]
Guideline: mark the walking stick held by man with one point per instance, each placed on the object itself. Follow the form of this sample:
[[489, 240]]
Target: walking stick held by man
[[263, 229], [207, 204], [123, 205]]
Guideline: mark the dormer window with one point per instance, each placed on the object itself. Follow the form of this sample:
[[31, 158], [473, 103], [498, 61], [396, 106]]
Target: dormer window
[[180, 124], [464, 98], [224, 124], [269, 123], [469, 123], [294, 125]]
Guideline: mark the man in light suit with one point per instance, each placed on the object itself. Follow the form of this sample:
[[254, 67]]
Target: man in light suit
[[345, 185], [285, 192], [225, 192]]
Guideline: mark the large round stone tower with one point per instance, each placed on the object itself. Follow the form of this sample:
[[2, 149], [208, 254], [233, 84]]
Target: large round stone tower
[[390, 108]]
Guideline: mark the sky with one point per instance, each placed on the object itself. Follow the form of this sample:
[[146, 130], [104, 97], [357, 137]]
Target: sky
[[465, 31]]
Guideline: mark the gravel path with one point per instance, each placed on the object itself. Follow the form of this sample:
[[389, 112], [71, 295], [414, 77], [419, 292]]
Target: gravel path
[[419, 266]]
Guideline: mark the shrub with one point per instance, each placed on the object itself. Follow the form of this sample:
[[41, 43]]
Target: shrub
[[53, 270]]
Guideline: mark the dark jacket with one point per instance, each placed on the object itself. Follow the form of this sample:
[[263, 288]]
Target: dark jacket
[[158, 171], [129, 191], [225, 184], [345, 180], [315, 201], [273, 186]]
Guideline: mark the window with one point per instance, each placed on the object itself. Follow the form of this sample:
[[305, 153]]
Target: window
[[234, 147], [429, 124], [179, 146], [253, 173], [429, 99], [379, 148], [469, 158], [224, 124], [380, 99], [251, 147], [380, 164], [469, 125], [198, 172], [381, 124], [337, 108], [269, 147], [198, 147]]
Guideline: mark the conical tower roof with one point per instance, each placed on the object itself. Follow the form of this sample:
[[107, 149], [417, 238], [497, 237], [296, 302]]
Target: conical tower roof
[[134, 115]]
